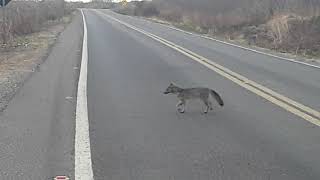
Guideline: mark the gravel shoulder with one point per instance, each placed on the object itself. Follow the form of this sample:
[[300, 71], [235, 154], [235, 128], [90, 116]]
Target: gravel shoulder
[[23, 56]]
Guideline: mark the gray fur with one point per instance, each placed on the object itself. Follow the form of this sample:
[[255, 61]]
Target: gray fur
[[193, 93]]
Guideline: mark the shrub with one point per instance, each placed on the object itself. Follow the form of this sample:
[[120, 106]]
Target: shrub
[[24, 17]]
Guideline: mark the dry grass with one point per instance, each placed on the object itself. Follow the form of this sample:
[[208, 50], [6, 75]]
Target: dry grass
[[24, 17], [30, 48], [24, 54], [286, 26]]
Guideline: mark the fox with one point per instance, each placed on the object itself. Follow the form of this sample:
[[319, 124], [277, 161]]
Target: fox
[[201, 93]]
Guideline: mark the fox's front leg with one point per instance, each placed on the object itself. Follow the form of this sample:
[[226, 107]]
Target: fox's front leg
[[181, 106], [208, 105]]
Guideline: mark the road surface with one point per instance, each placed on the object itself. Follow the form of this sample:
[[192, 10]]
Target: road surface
[[267, 130], [37, 128], [136, 133]]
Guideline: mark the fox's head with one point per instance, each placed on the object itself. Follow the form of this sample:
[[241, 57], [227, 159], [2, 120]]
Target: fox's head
[[172, 89]]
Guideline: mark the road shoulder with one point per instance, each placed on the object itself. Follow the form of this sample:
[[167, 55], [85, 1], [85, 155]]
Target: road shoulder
[[312, 62], [23, 55], [37, 127]]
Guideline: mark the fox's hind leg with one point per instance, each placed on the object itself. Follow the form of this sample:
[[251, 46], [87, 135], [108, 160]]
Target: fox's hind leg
[[181, 106], [210, 105]]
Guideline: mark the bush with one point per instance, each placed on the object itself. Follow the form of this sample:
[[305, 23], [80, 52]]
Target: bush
[[24, 17], [138, 8], [143, 8], [284, 25]]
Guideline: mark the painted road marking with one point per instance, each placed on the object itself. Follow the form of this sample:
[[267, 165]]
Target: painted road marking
[[286, 103], [235, 45], [231, 44], [83, 162], [248, 49], [245, 48]]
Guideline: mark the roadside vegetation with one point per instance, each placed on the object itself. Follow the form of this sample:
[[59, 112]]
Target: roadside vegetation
[[93, 4], [24, 17], [19, 18], [289, 26], [27, 31]]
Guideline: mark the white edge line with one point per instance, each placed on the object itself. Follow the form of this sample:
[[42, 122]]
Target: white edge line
[[241, 47], [83, 164], [288, 105], [234, 45]]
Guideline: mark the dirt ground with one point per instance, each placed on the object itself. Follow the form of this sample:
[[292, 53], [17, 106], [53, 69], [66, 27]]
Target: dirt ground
[[22, 56]]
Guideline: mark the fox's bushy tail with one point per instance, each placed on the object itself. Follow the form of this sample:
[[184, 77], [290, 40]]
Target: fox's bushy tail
[[216, 96]]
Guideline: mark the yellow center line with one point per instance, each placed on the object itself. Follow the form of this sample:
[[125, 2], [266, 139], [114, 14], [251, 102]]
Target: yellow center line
[[286, 103]]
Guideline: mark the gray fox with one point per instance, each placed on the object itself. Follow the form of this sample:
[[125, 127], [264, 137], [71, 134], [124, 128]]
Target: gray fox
[[193, 93]]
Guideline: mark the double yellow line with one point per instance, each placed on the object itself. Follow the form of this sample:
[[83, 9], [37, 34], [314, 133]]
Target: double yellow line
[[286, 103]]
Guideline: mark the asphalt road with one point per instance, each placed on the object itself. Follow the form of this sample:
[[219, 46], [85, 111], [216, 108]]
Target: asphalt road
[[37, 128], [299, 82], [136, 133], [135, 130]]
